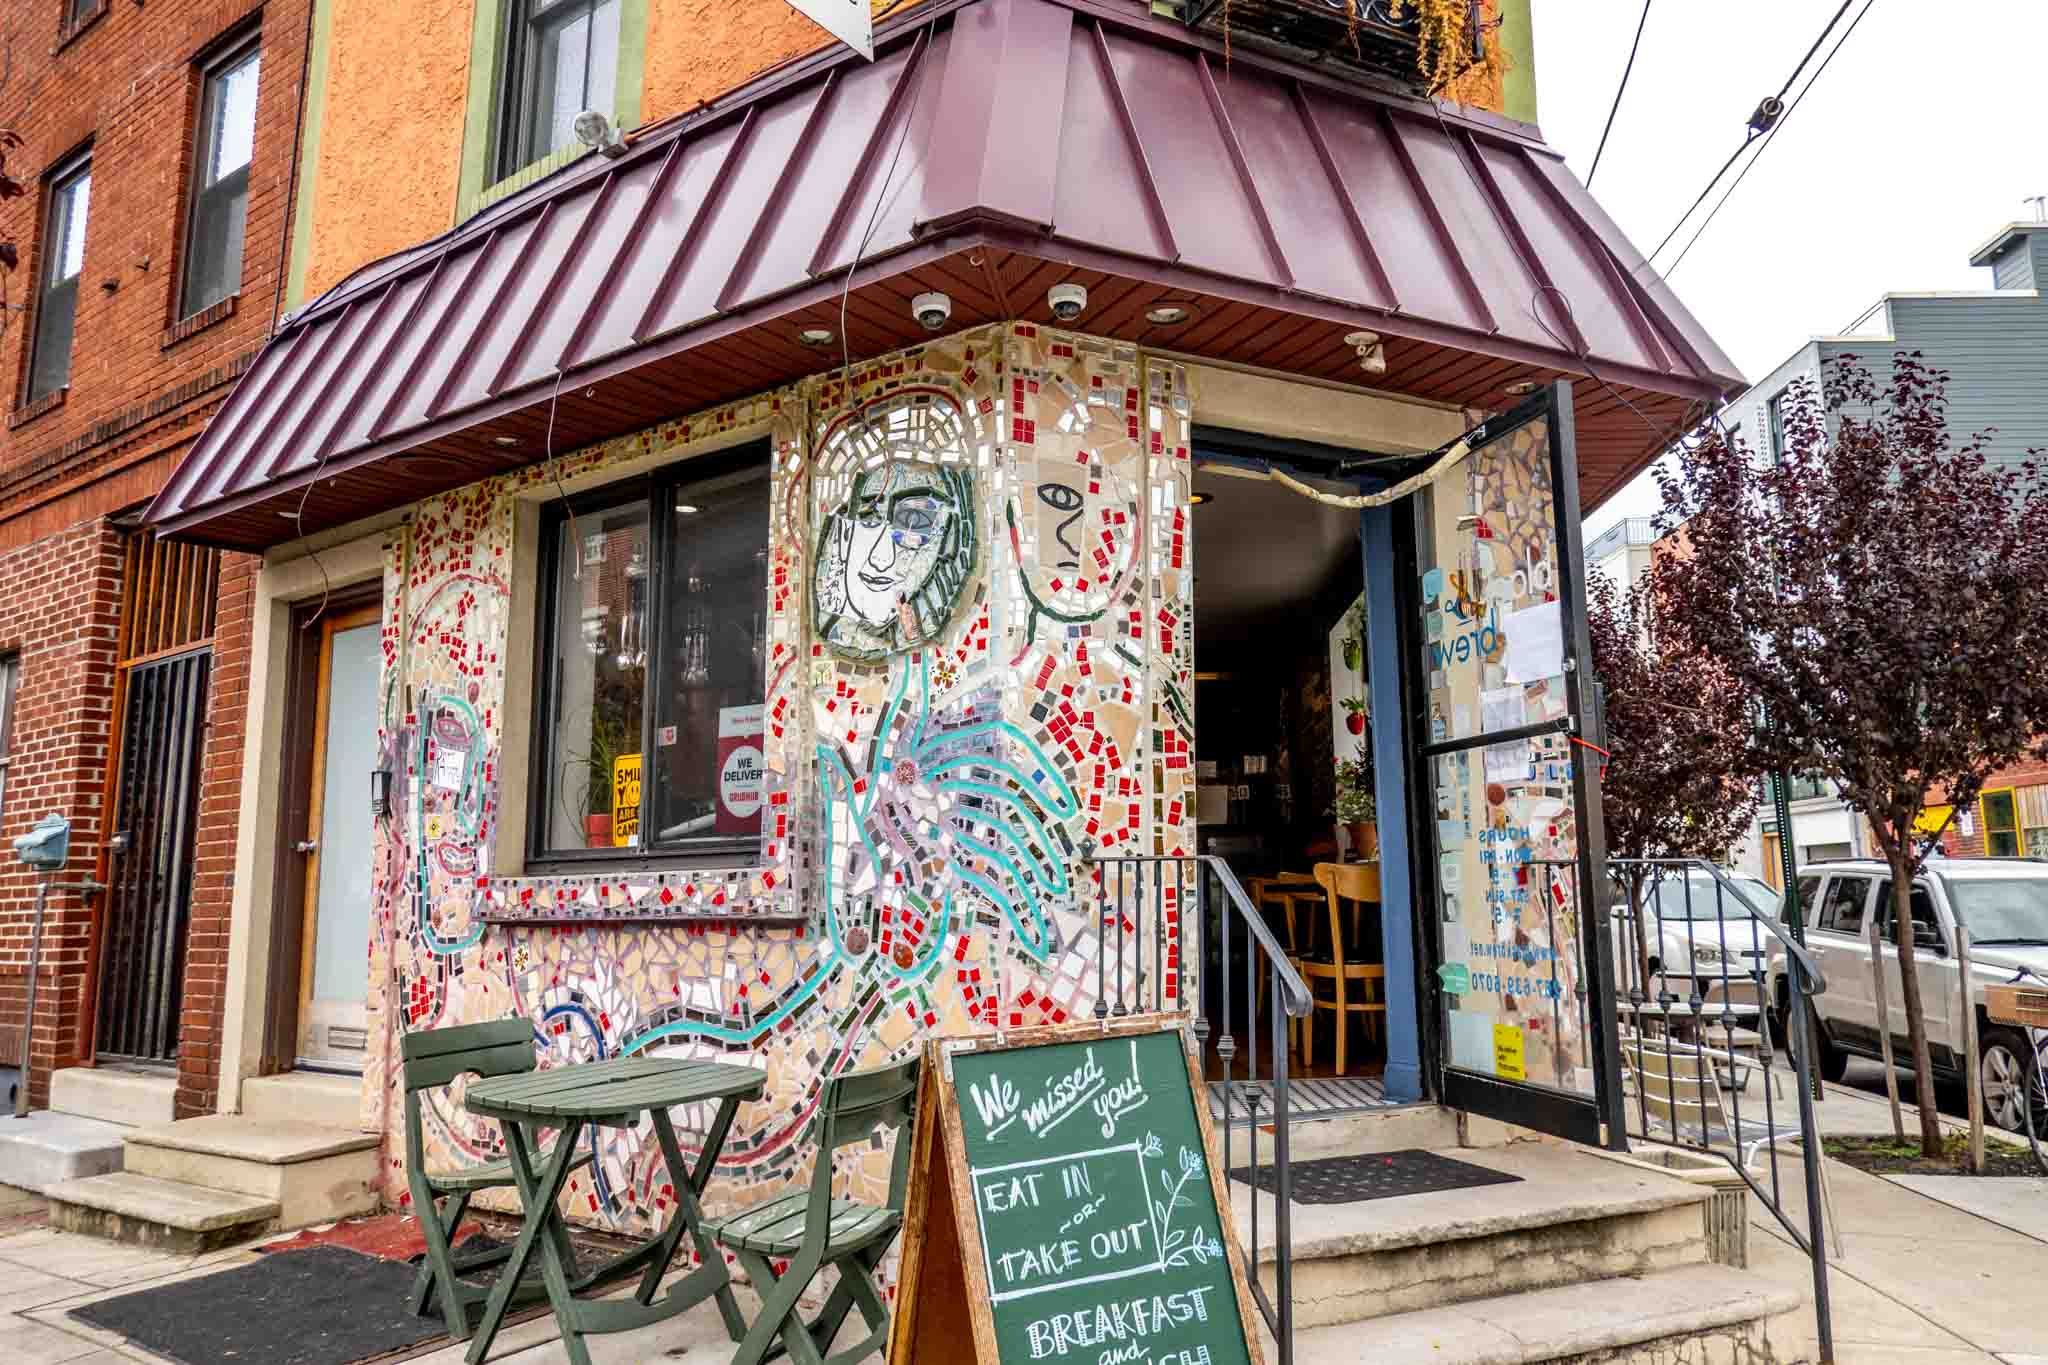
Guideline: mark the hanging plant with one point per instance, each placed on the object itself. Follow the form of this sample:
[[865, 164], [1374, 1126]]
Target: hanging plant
[[1444, 50]]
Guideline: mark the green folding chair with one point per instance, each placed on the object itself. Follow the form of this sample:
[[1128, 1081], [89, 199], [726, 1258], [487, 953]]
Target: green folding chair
[[812, 1230], [433, 1058]]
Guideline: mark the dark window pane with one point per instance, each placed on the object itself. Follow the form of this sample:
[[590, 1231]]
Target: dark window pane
[[708, 720], [220, 185], [599, 663]]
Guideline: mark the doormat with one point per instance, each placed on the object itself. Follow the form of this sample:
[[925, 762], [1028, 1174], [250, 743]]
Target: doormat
[[326, 1305], [1379, 1175], [388, 1236]]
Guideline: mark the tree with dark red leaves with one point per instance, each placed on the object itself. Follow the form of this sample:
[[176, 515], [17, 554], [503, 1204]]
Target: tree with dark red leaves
[[1675, 784], [1882, 591]]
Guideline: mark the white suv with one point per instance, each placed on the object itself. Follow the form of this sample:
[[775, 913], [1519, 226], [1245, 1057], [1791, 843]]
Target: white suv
[[2004, 901]]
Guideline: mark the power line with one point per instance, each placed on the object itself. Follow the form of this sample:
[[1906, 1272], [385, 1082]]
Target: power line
[[1615, 107], [1762, 122], [1783, 119]]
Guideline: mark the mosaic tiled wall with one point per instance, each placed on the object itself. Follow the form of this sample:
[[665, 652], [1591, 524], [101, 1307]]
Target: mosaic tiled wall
[[979, 660]]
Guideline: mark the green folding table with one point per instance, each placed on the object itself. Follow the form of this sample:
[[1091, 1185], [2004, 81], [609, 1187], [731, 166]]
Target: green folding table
[[610, 1094]]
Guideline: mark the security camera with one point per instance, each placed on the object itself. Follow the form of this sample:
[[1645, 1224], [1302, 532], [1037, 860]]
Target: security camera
[[593, 129], [1066, 301], [931, 311]]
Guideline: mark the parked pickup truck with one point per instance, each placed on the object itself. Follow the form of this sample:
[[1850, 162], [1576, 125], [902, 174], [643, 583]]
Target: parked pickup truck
[[2004, 901]]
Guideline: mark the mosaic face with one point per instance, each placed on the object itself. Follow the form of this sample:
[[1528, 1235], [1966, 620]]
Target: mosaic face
[[892, 559]]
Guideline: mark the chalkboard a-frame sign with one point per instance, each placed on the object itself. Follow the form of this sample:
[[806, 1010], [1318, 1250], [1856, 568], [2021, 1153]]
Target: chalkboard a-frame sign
[[1067, 1206]]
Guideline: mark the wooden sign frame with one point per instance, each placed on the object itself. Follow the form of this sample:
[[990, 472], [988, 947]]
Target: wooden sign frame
[[943, 1297]]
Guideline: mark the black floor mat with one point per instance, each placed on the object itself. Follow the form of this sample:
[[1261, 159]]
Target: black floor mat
[[1382, 1175], [326, 1305]]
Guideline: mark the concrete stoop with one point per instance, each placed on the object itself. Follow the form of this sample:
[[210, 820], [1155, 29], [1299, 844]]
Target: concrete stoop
[[1569, 1218], [1692, 1315], [306, 1096], [206, 1182], [91, 1110]]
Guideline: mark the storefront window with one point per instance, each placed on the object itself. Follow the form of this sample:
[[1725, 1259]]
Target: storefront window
[[651, 718]]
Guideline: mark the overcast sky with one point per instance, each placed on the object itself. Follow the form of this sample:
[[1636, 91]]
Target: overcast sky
[[1919, 142]]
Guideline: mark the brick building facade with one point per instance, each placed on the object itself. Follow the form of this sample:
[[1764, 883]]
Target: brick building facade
[[134, 97]]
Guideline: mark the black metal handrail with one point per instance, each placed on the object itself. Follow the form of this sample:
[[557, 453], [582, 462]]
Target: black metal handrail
[[1688, 1080], [1154, 962]]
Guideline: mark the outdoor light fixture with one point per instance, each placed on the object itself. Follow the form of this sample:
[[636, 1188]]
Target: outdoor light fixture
[[816, 336], [593, 129], [931, 310], [688, 509], [1372, 352], [1168, 315], [505, 441], [1521, 388]]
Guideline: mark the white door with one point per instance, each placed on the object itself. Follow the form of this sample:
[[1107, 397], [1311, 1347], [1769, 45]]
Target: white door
[[334, 974]]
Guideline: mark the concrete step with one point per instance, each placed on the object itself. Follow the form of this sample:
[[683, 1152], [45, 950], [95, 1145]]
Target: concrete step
[[131, 1095], [165, 1214], [307, 1096], [48, 1148], [1705, 1313], [313, 1172], [1570, 1218]]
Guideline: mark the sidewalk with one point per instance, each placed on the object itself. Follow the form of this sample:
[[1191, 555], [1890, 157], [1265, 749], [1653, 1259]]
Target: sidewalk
[[1937, 1271], [1924, 1279]]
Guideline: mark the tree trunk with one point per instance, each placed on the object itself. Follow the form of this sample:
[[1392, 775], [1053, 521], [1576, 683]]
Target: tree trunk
[[1909, 990]]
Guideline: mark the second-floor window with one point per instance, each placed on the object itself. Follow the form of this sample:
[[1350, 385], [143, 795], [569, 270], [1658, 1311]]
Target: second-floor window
[[63, 258], [1777, 415], [220, 182], [562, 58]]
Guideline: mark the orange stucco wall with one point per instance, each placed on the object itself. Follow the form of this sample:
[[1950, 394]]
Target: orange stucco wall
[[700, 48], [391, 132]]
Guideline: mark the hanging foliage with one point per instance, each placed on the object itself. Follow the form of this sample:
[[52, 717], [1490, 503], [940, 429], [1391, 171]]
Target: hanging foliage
[[1445, 49]]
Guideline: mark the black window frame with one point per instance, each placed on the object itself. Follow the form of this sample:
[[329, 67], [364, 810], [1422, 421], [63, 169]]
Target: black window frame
[[249, 47], [1774, 419], [519, 79], [10, 688], [657, 492], [67, 172]]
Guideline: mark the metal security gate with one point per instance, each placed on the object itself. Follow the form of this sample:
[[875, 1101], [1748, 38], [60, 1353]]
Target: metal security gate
[[166, 659]]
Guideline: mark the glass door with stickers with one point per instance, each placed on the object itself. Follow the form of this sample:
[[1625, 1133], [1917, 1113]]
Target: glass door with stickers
[[1510, 868]]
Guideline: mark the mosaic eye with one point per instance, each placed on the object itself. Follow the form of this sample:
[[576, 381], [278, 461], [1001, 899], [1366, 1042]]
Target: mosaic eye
[[1059, 497]]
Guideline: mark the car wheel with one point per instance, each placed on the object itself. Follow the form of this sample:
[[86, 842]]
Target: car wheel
[[2002, 1075], [1832, 1061]]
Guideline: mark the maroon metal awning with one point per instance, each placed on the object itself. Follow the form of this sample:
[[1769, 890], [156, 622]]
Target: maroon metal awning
[[1046, 140]]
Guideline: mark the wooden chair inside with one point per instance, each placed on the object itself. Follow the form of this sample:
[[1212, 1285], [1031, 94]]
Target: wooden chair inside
[[434, 1058], [1356, 987], [811, 1231]]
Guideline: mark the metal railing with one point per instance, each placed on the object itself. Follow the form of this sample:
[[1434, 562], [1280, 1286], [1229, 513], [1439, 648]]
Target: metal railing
[[1708, 987], [1181, 934]]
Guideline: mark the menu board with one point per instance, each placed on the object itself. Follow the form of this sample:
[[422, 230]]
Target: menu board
[[1068, 1178]]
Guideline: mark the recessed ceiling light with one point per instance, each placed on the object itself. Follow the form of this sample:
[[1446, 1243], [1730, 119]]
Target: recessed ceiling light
[[1521, 388], [506, 441], [688, 508], [1168, 315], [1197, 499], [816, 336]]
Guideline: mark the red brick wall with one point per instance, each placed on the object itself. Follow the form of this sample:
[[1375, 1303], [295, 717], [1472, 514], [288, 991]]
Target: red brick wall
[[58, 616], [142, 387]]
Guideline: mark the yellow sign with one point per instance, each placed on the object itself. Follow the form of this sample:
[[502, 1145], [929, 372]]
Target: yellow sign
[[1508, 1063], [626, 800], [1931, 819]]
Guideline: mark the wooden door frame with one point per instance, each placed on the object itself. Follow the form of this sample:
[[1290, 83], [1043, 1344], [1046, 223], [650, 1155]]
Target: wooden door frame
[[312, 626]]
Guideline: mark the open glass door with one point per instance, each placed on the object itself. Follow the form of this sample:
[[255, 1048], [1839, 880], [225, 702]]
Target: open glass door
[[1513, 855]]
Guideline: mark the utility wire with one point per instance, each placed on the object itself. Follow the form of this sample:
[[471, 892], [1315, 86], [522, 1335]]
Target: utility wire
[[1761, 123], [1615, 107], [1783, 119]]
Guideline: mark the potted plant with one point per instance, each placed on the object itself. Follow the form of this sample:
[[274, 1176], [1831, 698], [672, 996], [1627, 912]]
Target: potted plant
[[1356, 807], [606, 735]]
